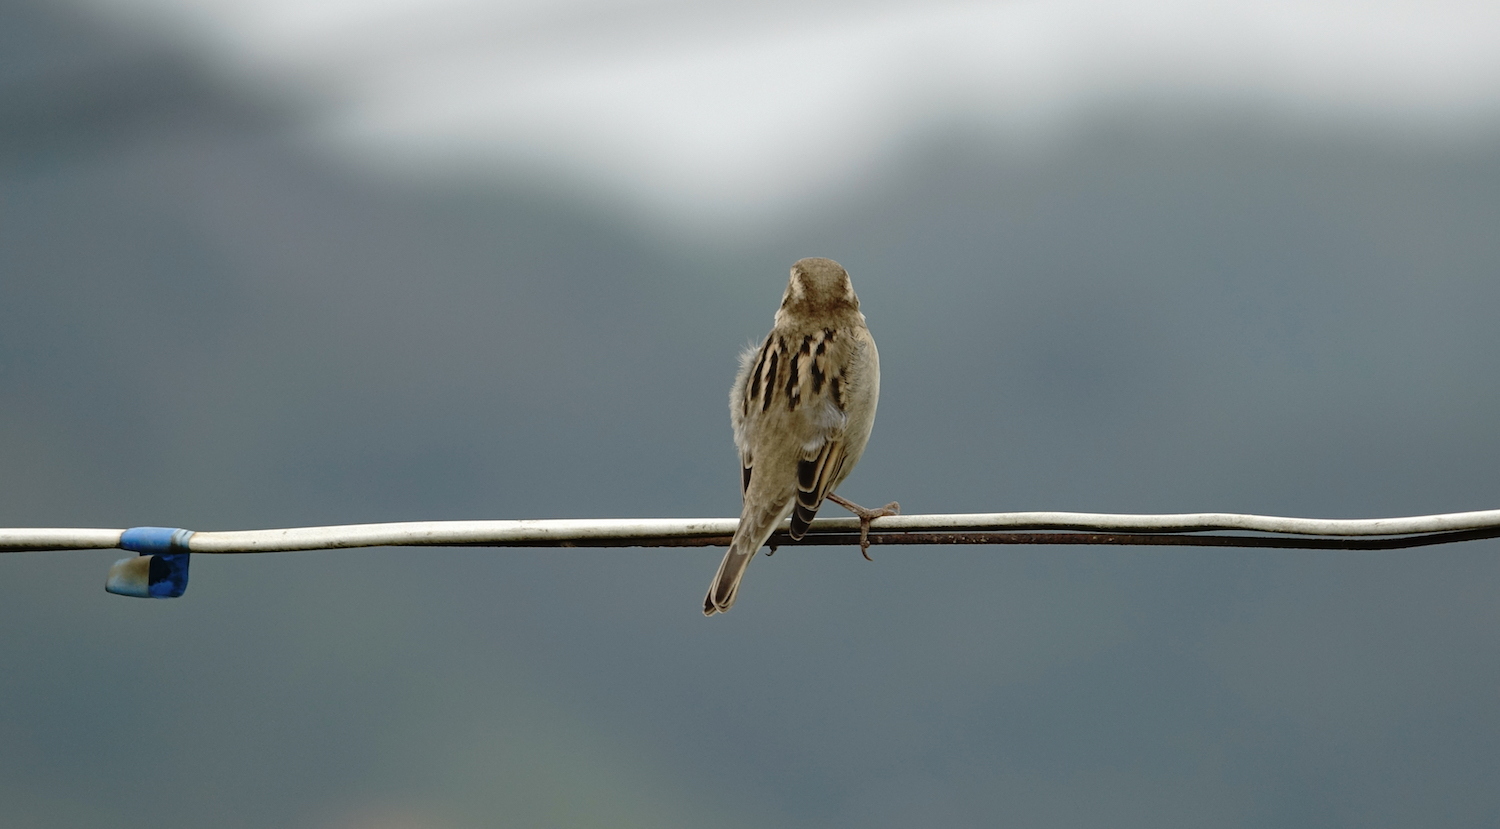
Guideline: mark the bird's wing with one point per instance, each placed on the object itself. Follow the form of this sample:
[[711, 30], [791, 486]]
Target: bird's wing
[[816, 475]]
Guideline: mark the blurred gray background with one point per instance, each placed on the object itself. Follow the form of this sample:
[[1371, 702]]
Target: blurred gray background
[[278, 264]]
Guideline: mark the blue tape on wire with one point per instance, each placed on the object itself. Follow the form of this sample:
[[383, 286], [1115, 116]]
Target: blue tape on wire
[[148, 540], [160, 571]]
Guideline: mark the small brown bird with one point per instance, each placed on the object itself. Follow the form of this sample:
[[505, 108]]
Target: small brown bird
[[802, 407]]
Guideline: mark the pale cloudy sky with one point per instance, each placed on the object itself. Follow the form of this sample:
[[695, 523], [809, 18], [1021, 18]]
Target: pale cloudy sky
[[736, 106]]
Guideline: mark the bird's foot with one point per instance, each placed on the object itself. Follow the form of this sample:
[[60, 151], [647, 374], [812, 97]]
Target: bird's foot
[[865, 517]]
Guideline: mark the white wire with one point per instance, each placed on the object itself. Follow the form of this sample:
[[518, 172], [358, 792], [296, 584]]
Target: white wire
[[27, 540], [634, 531]]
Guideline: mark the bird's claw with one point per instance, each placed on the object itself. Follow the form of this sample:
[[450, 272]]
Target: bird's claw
[[865, 517]]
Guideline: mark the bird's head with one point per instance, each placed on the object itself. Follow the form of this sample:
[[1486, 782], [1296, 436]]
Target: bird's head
[[819, 286]]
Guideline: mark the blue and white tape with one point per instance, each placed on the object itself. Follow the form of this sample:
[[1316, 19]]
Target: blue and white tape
[[161, 569]]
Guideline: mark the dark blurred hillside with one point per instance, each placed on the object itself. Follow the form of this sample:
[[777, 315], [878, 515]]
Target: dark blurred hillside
[[1255, 319], [206, 321]]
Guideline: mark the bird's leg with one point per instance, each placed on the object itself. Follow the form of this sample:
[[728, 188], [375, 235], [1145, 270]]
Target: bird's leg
[[865, 517]]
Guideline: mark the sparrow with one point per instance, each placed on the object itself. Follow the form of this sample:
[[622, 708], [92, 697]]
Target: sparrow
[[802, 407]]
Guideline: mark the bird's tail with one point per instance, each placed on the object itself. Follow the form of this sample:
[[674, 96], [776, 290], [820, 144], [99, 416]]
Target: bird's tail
[[753, 531]]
